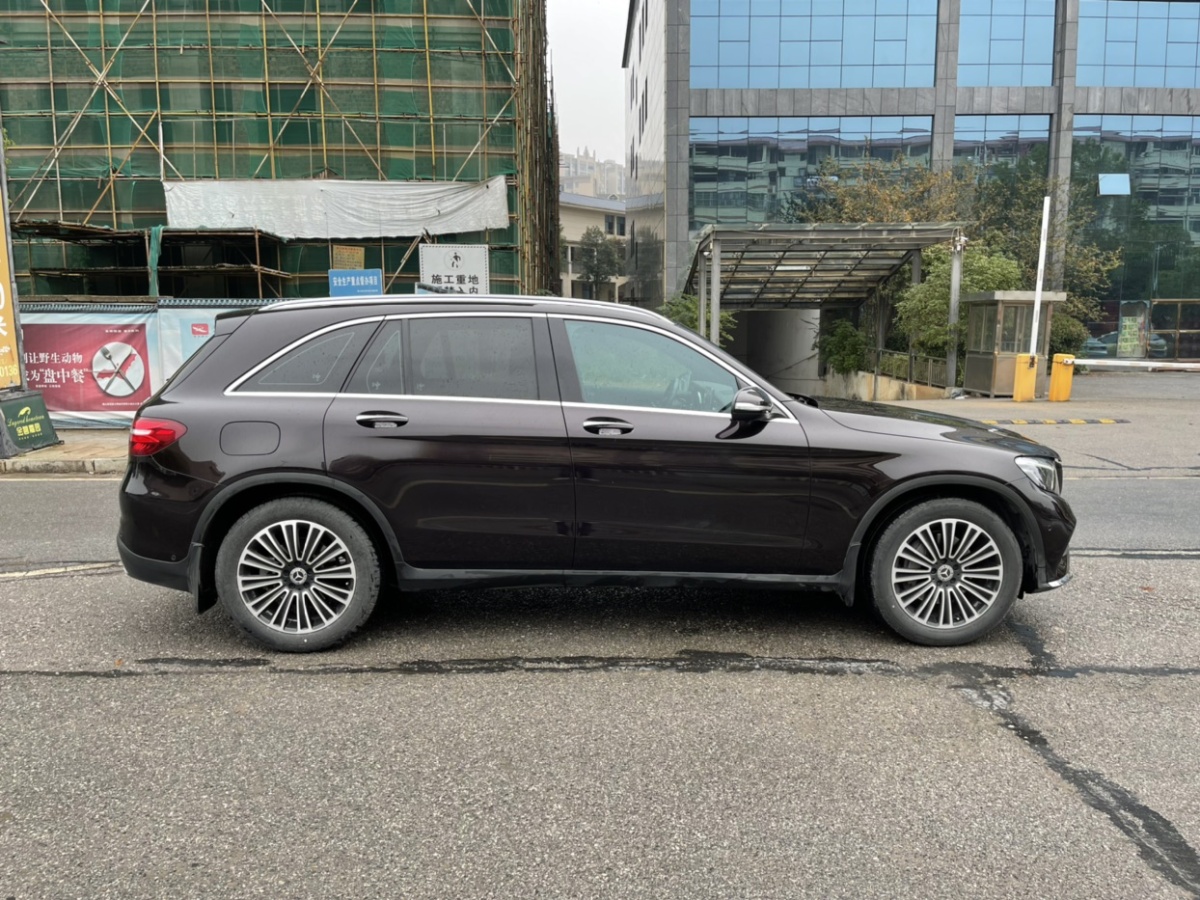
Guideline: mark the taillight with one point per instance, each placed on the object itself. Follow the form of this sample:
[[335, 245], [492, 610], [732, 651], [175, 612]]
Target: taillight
[[148, 436]]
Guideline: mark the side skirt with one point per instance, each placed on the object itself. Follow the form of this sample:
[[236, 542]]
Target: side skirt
[[414, 579]]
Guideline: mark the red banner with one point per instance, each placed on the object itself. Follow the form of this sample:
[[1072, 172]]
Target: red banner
[[89, 367]]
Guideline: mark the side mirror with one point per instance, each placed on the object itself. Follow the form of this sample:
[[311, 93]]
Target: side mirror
[[751, 405]]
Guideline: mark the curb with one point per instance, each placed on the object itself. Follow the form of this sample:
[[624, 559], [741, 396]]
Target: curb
[[21, 466]]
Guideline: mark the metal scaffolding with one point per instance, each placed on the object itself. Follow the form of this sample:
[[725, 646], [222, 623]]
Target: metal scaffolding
[[105, 100]]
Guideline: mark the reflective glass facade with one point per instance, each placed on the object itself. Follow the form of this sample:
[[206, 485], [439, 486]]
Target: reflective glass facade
[[812, 43], [821, 55], [1157, 226], [1125, 43], [985, 141], [746, 170], [1006, 42]]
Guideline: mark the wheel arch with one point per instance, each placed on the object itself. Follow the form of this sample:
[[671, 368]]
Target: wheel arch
[[242, 496], [994, 495]]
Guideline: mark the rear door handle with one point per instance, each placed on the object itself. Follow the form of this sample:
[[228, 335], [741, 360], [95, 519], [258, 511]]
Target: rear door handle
[[607, 426], [381, 420]]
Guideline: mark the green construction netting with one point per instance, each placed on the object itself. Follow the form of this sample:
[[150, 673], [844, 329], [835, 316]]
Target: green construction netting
[[331, 9]]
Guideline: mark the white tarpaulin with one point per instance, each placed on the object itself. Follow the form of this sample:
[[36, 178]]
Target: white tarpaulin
[[339, 209]]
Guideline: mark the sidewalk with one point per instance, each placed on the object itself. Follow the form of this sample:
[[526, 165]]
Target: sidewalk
[[1115, 423], [83, 451]]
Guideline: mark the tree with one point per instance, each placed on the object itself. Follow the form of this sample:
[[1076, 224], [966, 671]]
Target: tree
[[923, 312], [683, 309], [1009, 217], [879, 191], [600, 258], [1001, 209], [844, 347]]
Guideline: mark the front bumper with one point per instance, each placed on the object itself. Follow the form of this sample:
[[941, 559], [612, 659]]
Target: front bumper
[[1048, 581]]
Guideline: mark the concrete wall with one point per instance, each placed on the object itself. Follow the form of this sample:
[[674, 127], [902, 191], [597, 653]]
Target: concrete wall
[[860, 386], [778, 344]]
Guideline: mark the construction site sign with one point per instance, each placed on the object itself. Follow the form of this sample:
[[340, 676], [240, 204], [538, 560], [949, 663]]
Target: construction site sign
[[355, 282], [462, 268], [344, 257]]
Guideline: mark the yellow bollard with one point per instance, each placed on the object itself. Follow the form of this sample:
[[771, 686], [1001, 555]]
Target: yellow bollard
[[1061, 373], [1025, 378]]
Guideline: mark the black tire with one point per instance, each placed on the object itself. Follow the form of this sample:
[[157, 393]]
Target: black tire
[[297, 575], [945, 572]]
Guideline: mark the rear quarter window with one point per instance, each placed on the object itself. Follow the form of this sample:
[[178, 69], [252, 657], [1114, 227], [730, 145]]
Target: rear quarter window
[[319, 364]]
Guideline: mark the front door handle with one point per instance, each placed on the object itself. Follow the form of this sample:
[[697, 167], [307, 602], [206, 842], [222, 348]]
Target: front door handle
[[381, 420], [607, 426]]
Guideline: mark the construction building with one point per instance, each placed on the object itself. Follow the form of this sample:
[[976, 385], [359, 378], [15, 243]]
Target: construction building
[[243, 148]]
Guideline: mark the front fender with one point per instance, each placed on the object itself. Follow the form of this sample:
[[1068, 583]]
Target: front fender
[[908, 492]]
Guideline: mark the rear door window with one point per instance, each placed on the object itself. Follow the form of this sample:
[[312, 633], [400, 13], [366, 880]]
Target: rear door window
[[489, 357]]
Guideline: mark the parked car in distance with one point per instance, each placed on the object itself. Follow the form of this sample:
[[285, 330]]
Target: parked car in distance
[[1106, 345], [316, 455]]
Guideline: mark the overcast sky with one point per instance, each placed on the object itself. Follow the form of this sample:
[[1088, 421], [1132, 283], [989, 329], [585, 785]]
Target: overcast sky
[[586, 40]]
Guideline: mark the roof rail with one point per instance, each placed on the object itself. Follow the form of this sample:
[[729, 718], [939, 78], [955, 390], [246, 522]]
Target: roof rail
[[443, 299]]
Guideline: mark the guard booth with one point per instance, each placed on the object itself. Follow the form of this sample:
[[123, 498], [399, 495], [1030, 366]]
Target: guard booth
[[999, 326]]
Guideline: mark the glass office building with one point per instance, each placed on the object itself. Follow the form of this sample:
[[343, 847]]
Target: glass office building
[[733, 106]]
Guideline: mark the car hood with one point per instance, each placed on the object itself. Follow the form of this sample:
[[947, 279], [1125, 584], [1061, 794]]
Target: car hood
[[880, 418]]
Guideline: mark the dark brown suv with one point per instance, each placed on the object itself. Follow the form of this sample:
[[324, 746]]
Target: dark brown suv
[[316, 453]]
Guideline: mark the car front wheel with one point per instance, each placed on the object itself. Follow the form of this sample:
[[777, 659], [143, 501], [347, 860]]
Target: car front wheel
[[297, 574], [945, 572]]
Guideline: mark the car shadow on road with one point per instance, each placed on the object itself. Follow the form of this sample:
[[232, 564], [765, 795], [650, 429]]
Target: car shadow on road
[[665, 612]]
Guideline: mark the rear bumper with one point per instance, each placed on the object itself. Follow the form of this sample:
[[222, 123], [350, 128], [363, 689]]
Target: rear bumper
[[174, 574]]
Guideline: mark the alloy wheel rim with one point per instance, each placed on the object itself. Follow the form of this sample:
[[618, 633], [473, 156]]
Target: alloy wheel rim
[[296, 576], [947, 573]]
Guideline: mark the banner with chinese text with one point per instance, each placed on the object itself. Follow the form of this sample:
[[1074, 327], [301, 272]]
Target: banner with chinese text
[[92, 368]]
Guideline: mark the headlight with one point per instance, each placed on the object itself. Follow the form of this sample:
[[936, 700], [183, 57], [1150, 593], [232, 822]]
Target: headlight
[[1043, 472]]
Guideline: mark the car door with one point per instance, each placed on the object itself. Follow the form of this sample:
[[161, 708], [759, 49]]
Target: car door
[[451, 423], [664, 480]]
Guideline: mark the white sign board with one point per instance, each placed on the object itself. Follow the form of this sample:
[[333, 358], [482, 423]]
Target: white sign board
[[460, 267]]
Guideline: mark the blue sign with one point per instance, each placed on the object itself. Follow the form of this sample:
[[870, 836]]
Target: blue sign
[[355, 282]]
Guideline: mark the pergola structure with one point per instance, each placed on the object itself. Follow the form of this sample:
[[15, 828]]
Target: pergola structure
[[804, 266]]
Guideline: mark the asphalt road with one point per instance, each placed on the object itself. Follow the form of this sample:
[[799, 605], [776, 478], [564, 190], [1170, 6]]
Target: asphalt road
[[605, 743]]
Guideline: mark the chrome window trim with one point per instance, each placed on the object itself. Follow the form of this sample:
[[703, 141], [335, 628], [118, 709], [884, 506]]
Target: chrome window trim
[[446, 398], [233, 387], [740, 377], [723, 416], [407, 397]]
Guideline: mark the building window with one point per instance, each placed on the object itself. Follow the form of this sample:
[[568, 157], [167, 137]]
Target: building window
[[749, 170], [987, 141], [1127, 44], [620, 226], [1157, 225], [610, 224], [1009, 43], [818, 44]]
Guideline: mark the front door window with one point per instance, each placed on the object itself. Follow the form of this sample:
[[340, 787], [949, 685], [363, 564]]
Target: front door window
[[618, 365]]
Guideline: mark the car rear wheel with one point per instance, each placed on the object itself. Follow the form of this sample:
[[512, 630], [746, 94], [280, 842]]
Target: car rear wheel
[[945, 572], [297, 574]]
